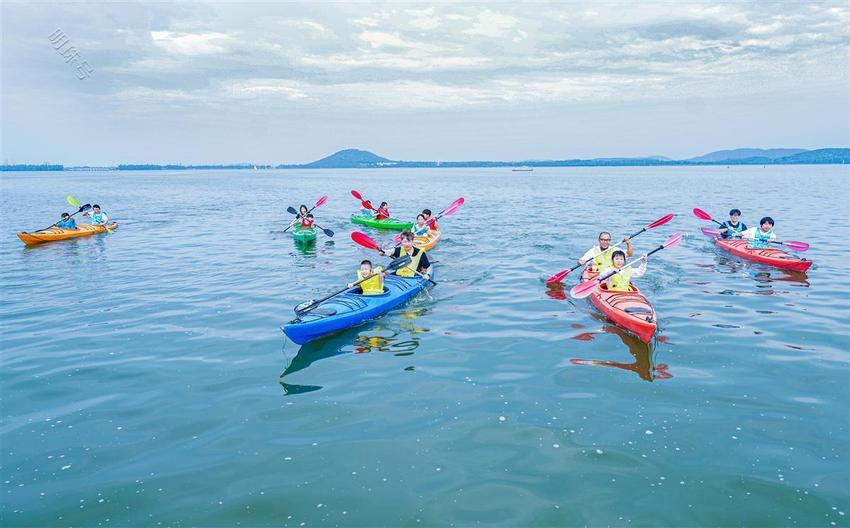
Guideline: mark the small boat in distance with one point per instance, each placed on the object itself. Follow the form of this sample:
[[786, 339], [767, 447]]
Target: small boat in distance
[[522, 169]]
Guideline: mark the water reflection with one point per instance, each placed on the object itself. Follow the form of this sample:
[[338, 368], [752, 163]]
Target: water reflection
[[644, 363], [762, 274], [398, 337]]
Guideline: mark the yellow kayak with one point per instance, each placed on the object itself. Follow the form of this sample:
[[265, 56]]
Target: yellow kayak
[[427, 242], [57, 233]]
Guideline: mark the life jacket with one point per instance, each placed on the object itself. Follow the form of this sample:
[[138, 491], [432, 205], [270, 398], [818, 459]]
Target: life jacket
[[761, 240], [420, 232], [732, 229], [382, 214], [622, 281], [374, 285], [306, 223], [97, 218], [410, 269], [602, 259]]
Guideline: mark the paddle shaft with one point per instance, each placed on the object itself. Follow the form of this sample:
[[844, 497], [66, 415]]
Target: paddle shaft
[[80, 210]]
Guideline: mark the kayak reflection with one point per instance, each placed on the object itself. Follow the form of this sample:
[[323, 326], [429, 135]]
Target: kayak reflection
[[401, 338], [644, 362], [761, 273]]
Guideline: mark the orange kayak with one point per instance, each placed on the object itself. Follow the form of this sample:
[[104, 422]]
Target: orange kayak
[[57, 233], [629, 310], [427, 242], [771, 256]]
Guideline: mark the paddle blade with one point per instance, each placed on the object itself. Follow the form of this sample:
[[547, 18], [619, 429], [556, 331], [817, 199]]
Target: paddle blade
[[398, 263], [702, 215], [582, 290], [795, 245], [70, 199], [674, 240], [452, 209], [84, 208], [364, 240], [713, 233], [328, 232], [322, 200], [357, 195], [661, 221], [367, 206], [558, 277], [291, 210]]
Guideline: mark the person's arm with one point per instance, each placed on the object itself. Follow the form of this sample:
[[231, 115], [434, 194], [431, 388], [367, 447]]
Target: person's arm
[[87, 213], [424, 264], [640, 270], [392, 252], [772, 237], [105, 219], [749, 234], [723, 228], [586, 257], [628, 242]]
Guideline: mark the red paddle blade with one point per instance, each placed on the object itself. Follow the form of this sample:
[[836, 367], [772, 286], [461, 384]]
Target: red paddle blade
[[795, 245], [364, 240], [357, 195], [367, 206], [674, 240], [713, 233], [322, 200], [452, 209], [582, 290], [558, 277], [702, 215], [661, 221]]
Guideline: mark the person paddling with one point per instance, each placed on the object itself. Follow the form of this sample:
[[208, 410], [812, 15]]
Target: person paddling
[[67, 222], [374, 285], [759, 237], [366, 208], [418, 259], [307, 221], [427, 214], [733, 225], [382, 212], [302, 213], [421, 228], [97, 217], [600, 255], [616, 277]]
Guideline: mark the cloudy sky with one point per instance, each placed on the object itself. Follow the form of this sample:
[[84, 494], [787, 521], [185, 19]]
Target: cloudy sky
[[274, 83]]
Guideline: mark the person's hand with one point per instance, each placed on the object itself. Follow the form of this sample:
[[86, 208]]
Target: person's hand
[[645, 257], [626, 239], [350, 285]]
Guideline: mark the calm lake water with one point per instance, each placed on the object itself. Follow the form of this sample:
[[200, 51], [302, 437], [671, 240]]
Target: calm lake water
[[144, 379]]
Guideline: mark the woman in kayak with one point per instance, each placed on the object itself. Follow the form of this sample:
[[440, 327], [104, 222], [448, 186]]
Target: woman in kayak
[[307, 221], [302, 213], [622, 281], [375, 283], [67, 222], [383, 212], [421, 228], [97, 217], [419, 263], [600, 255], [427, 214], [759, 237], [732, 226]]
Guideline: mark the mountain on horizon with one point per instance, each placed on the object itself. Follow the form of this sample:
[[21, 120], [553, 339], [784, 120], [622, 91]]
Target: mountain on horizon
[[746, 153], [350, 158]]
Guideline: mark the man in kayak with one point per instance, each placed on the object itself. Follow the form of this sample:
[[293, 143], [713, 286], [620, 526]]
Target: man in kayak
[[600, 255], [732, 226], [622, 281], [419, 263], [374, 285], [383, 212], [67, 222], [97, 217], [427, 214], [759, 237]]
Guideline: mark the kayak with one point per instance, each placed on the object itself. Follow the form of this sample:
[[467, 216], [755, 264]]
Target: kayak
[[771, 256], [352, 308], [389, 223], [304, 234], [58, 233], [629, 310], [427, 242]]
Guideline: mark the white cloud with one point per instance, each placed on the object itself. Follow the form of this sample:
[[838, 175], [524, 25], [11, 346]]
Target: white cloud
[[424, 19], [266, 88], [191, 43], [492, 24]]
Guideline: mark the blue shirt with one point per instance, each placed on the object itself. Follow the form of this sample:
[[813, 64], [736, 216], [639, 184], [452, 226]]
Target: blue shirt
[[67, 224]]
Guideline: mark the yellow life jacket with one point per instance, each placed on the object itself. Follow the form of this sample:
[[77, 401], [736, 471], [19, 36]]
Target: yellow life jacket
[[410, 269], [622, 281], [374, 285], [602, 259]]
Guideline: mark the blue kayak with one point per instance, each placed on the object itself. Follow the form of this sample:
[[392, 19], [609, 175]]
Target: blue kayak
[[351, 308]]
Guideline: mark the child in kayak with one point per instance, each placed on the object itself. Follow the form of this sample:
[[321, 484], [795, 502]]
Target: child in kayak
[[427, 214], [421, 229], [383, 212], [67, 222], [600, 255], [732, 226], [622, 281], [419, 263], [375, 283], [307, 221], [759, 237], [302, 213], [364, 210], [97, 217]]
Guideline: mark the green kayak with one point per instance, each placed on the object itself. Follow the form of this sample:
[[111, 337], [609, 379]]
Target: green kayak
[[304, 234], [389, 223]]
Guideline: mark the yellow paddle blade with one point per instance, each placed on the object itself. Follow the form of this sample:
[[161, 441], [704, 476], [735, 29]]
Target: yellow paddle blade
[[72, 201]]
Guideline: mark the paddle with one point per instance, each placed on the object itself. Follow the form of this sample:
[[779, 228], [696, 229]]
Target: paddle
[[702, 215], [70, 199], [580, 291], [367, 242], [362, 200], [303, 308], [794, 245], [291, 210], [558, 277]]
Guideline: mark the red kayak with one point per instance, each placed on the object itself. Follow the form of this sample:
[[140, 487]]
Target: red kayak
[[774, 257], [629, 310]]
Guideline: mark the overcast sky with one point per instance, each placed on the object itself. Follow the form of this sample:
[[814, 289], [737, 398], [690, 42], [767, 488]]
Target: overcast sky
[[275, 83]]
